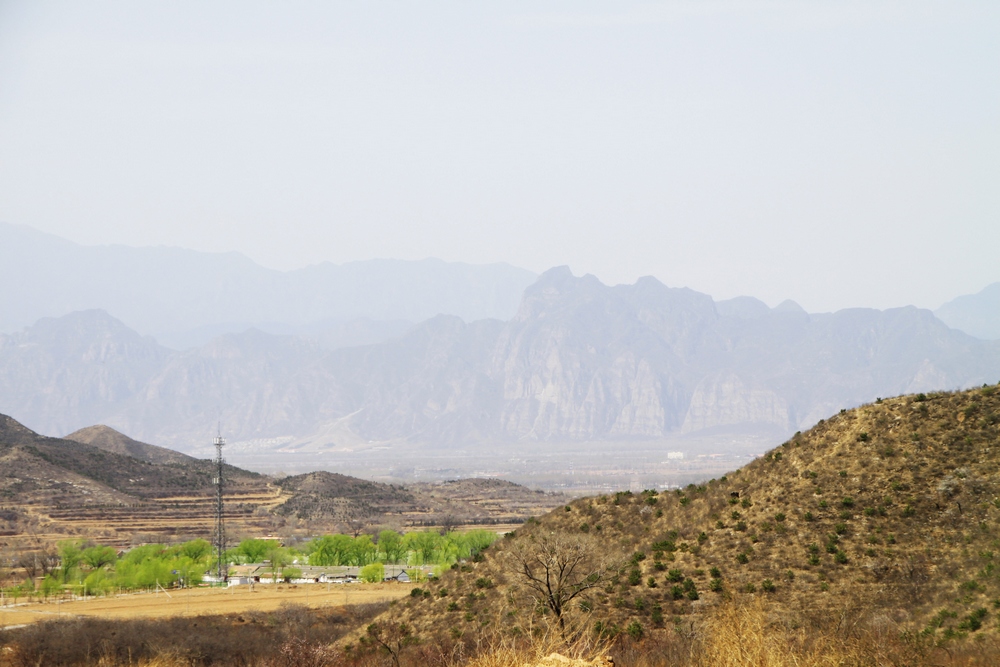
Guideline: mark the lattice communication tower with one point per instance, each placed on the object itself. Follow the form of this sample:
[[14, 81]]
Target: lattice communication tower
[[220, 524]]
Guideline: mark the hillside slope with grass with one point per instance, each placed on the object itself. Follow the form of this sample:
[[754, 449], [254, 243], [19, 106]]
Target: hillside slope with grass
[[123, 471], [888, 513]]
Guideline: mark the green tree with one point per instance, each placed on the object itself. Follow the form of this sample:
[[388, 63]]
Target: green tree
[[254, 550], [70, 555], [125, 571], [363, 551], [478, 540], [196, 549], [189, 572], [391, 544], [277, 558], [423, 544], [97, 557], [154, 572], [372, 573], [450, 548], [98, 582], [144, 553], [331, 550], [50, 586], [26, 589]]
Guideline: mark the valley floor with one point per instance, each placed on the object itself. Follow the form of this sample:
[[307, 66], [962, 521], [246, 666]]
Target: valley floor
[[574, 468], [202, 601]]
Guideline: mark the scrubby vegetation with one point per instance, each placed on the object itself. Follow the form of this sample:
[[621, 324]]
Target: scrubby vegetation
[[832, 549], [739, 632], [289, 637], [902, 525]]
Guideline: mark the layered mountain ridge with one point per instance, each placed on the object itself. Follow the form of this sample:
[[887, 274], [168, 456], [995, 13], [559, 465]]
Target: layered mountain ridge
[[185, 297], [580, 361], [976, 314]]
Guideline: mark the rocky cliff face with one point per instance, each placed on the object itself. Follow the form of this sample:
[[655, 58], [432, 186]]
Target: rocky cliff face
[[582, 360], [63, 370], [579, 361], [726, 400]]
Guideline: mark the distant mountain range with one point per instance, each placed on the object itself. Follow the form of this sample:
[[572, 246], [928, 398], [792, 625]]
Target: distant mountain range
[[185, 298], [975, 314], [579, 361]]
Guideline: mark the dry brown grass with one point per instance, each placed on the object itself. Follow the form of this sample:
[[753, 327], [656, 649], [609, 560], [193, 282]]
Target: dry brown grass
[[543, 647], [289, 636], [901, 500], [889, 510], [743, 631], [740, 634], [205, 601]]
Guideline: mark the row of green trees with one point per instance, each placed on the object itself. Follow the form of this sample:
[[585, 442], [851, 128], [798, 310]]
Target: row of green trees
[[88, 569], [97, 570], [416, 548]]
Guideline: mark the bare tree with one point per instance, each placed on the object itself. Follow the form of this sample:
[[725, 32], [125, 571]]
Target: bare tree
[[556, 568], [449, 523], [357, 526], [38, 563], [391, 637]]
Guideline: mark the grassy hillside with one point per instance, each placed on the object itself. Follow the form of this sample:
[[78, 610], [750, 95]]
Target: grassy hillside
[[889, 513]]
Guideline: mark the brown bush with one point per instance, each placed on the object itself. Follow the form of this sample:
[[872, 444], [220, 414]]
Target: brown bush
[[292, 635]]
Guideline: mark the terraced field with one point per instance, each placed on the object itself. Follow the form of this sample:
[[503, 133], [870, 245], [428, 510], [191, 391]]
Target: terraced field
[[120, 492], [169, 517]]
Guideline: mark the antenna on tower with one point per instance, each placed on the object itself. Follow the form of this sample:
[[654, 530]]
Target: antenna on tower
[[220, 526]]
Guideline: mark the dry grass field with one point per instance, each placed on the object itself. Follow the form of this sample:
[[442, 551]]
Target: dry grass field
[[205, 601]]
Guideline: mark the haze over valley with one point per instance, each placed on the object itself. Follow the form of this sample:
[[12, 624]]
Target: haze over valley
[[570, 245], [456, 334], [430, 370]]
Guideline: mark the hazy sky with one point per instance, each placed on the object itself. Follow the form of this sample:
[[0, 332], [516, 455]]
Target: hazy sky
[[837, 153]]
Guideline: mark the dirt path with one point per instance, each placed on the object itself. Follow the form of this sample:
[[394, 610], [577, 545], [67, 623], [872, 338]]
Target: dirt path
[[197, 601]]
